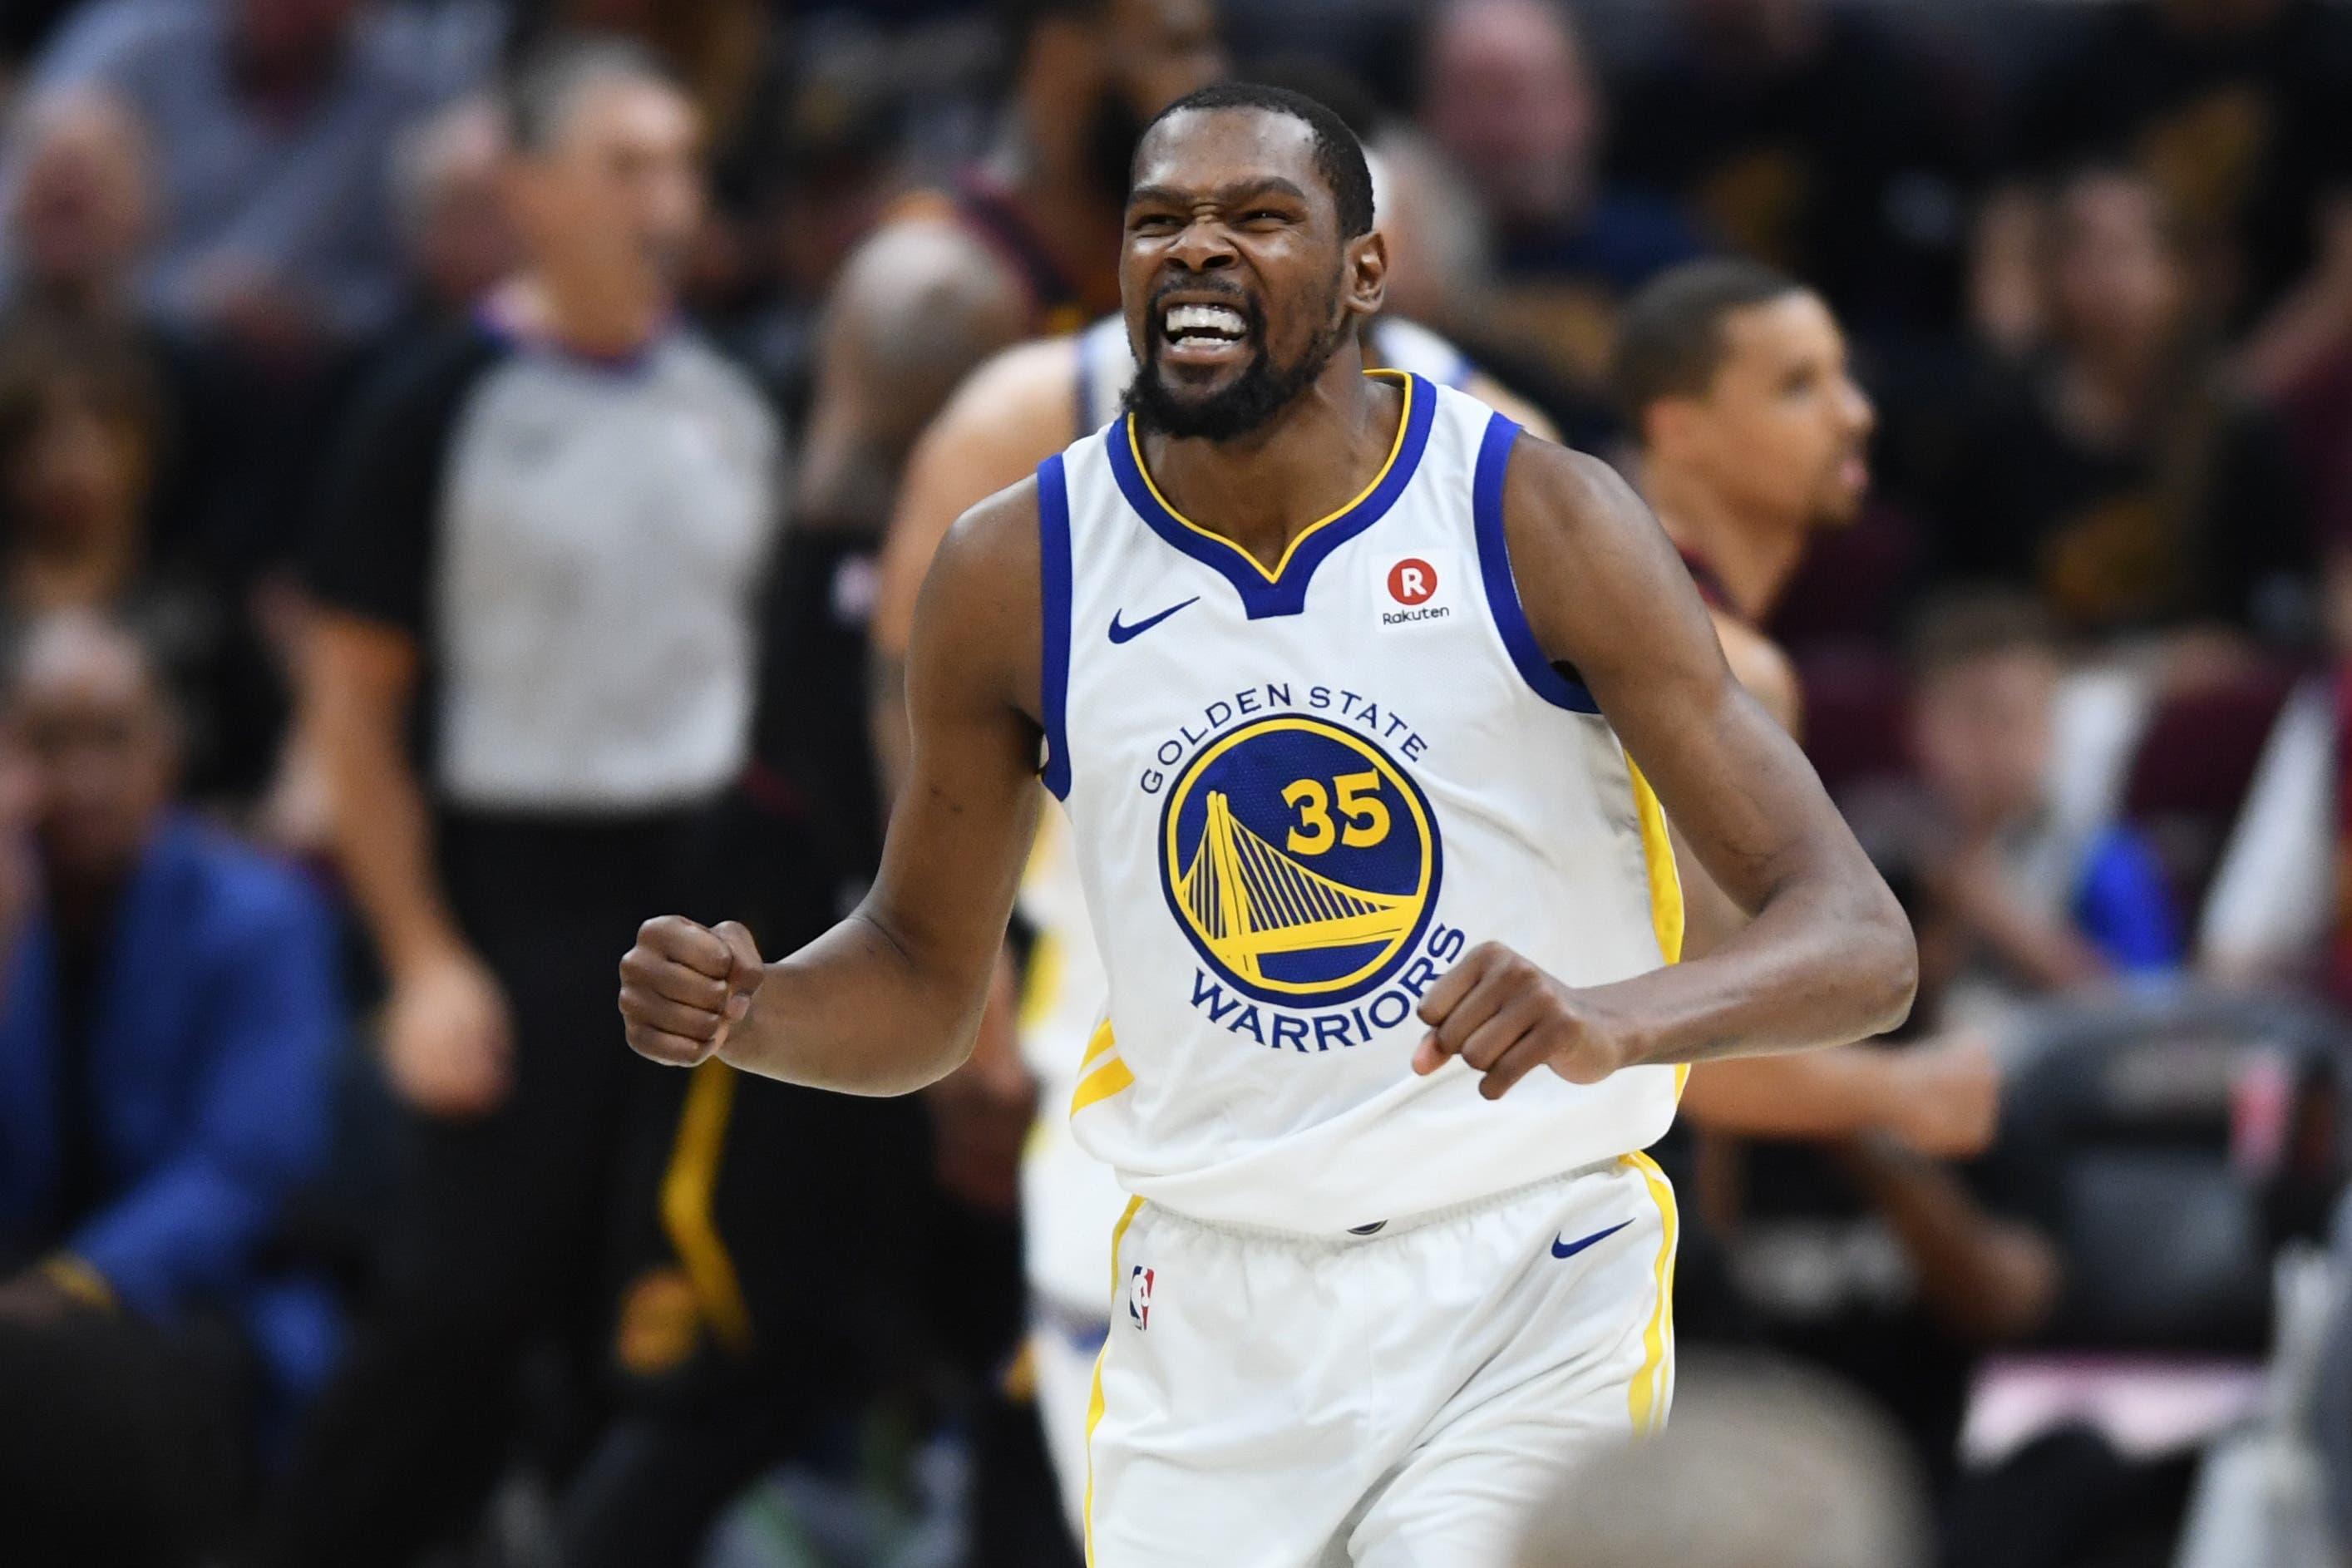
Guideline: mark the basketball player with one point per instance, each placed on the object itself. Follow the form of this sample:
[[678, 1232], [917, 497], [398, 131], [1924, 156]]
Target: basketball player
[[1751, 438], [1015, 412], [1380, 883]]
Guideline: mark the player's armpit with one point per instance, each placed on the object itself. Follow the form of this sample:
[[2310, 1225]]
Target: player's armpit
[[917, 305], [1828, 956], [887, 1001]]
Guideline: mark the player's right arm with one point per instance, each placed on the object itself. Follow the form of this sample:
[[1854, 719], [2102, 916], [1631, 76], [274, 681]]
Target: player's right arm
[[889, 999]]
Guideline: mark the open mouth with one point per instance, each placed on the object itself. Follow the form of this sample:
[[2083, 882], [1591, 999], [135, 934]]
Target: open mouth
[[1195, 331]]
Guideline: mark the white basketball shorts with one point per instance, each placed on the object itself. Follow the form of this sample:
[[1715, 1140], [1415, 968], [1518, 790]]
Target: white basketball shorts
[[1402, 1399]]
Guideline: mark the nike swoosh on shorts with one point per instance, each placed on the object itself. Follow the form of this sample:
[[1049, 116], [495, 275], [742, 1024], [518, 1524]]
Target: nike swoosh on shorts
[[1570, 1248]]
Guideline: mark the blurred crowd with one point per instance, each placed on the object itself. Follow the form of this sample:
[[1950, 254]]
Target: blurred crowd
[[460, 462]]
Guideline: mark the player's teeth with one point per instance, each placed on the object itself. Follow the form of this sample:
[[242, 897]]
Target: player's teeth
[[1214, 320]]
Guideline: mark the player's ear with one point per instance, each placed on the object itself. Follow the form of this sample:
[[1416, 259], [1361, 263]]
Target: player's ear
[[1367, 285]]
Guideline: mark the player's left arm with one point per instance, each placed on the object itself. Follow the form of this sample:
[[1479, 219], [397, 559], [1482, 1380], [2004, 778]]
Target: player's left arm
[[1826, 956]]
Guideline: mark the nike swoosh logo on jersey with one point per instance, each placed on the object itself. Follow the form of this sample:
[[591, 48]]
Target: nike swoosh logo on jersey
[[1570, 1248], [1129, 633]]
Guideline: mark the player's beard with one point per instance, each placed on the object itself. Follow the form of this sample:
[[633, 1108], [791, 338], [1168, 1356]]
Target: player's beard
[[1261, 391]]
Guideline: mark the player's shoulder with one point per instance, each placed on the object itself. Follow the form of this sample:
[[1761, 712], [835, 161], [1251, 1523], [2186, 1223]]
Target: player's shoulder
[[994, 546], [1033, 385], [981, 610], [1556, 492]]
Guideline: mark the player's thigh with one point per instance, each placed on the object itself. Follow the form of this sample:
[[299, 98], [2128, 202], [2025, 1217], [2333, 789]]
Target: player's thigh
[[1229, 1422], [1590, 1364]]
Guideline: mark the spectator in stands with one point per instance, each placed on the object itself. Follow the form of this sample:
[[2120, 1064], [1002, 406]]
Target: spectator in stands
[[2278, 911], [2117, 474], [168, 1031], [718, 50], [456, 234], [1509, 95], [79, 213], [1808, 137], [2010, 902], [2237, 110], [86, 438], [542, 543], [81, 428], [79, 223], [272, 123], [1761, 1467]]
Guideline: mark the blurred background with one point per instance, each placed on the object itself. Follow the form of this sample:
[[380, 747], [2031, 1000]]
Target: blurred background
[[461, 468]]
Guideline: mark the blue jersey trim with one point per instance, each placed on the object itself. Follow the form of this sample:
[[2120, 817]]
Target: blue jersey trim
[[1283, 593], [1495, 570], [1053, 598]]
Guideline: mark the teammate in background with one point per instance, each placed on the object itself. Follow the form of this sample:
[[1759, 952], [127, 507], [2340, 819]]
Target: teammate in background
[[1319, 774], [1751, 436]]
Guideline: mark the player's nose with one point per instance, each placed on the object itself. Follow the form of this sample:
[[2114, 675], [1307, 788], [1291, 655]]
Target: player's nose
[[1861, 414], [1204, 245]]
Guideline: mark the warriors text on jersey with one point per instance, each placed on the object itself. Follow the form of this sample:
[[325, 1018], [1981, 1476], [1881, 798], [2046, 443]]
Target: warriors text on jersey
[[1297, 796]]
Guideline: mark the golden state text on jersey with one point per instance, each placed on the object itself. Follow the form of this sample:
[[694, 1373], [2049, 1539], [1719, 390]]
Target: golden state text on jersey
[[1296, 794], [1304, 863]]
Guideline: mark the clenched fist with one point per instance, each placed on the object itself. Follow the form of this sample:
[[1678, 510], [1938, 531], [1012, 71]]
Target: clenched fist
[[1505, 1016], [684, 987]]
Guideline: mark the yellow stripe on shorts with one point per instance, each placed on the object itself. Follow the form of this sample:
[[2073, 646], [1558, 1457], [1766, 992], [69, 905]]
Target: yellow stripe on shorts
[[1654, 1385], [1094, 1399]]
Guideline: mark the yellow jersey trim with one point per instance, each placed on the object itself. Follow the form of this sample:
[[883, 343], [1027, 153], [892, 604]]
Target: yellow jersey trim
[[1666, 915], [1658, 860], [1106, 1080], [1404, 423]]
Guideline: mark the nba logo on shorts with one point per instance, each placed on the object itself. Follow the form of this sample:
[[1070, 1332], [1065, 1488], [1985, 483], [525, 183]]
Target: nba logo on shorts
[[1138, 1297]]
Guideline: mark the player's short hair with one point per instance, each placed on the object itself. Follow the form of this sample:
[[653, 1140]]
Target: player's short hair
[[1338, 155], [1961, 626], [545, 83], [1670, 337]]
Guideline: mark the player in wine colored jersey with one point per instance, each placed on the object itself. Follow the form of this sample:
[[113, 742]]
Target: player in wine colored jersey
[[1364, 711]]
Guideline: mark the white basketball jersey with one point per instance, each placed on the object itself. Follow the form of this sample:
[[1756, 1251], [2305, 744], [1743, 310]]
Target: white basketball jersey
[[1297, 797]]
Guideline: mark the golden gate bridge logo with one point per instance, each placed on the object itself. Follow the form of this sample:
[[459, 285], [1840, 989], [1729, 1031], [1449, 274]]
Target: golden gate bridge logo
[[1300, 860]]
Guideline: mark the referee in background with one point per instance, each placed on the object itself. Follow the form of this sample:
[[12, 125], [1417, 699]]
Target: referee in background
[[531, 670]]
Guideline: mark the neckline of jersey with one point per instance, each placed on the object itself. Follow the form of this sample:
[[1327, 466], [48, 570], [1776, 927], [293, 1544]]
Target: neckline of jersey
[[1283, 590]]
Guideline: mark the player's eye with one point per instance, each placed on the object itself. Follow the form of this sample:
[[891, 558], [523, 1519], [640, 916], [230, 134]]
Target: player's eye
[[1151, 223]]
